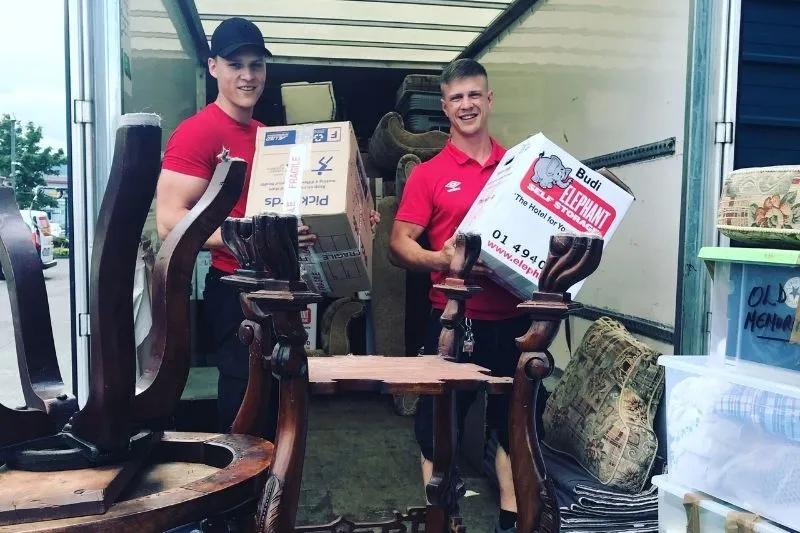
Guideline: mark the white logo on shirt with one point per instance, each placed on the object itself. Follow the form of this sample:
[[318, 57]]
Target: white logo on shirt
[[453, 186]]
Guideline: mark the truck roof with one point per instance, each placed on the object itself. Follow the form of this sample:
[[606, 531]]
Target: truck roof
[[393, 33]]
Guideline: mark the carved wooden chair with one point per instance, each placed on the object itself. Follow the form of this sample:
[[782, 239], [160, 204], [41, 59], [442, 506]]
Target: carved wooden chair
[[102, 446], [273, 296], [570, 260], [74, 464]]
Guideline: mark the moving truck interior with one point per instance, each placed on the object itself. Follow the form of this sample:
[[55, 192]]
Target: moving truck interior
[[580, 72], [661, 93]]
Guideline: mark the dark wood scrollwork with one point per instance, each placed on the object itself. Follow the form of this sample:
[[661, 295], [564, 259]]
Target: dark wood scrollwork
[[268, 246], [571, 259], [113, 425]]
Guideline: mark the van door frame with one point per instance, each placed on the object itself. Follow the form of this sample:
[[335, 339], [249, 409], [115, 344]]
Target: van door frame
[[708, 157], [94, 103]]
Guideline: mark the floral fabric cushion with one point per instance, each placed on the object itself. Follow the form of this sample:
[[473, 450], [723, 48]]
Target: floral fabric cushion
[[760, 205], [601, 412]]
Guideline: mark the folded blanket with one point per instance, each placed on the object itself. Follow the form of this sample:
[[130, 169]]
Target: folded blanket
[[772, 412], [587, 505], [607, 529]]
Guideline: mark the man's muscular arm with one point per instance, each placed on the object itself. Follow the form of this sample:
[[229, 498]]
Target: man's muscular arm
[[406, 252], [177, 194]]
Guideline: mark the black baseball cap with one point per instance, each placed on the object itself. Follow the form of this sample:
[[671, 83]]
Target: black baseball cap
[[234, 33]]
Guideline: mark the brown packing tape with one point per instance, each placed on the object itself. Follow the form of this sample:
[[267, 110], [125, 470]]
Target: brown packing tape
[[691, 503], [739, 522]]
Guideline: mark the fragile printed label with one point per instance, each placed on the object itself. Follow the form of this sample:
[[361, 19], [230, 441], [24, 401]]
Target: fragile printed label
[[312, 272], [293, 180]]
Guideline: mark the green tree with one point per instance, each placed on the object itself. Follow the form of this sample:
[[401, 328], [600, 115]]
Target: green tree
[[33, 162]]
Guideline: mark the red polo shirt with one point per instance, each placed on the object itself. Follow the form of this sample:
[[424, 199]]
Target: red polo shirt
[[437, 196], [193, 149]]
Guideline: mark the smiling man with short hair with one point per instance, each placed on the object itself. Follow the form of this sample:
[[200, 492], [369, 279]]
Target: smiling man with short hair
[[436, 198], [238, 63]]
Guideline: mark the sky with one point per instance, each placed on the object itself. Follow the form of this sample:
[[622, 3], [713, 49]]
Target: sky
[[32, 84]]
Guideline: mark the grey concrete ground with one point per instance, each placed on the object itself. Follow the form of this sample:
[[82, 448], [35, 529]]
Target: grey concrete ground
[[57, 282]]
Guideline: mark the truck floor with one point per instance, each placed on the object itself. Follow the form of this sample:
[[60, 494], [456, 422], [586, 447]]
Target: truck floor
[[362, 462]]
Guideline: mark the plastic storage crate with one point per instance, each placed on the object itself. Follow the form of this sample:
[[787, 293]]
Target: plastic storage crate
[[675, 501], [735, 435], [756, 297]]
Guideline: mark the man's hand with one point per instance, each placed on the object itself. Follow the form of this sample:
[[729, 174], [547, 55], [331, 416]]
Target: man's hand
[[304, 238], [374, 219], [446, 253]]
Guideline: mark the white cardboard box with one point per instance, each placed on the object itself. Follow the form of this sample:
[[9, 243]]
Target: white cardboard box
[[539, 190], [315, 171]]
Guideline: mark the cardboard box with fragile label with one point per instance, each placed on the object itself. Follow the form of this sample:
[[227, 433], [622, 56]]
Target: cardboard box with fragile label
[[539, 190], [314, 171]]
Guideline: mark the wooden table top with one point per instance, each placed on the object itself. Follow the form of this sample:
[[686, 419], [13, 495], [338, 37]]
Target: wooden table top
[[399, 375]]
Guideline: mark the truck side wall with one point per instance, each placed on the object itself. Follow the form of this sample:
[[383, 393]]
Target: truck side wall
[[598, 78]]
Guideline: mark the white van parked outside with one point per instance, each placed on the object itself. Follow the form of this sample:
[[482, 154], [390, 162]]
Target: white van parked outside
[[41, 236]]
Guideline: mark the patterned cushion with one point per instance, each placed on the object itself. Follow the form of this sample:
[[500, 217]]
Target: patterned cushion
[[601, 412], [759, 205]]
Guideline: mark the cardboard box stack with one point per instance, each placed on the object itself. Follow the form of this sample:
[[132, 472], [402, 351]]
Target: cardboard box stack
[[315, 172], [539, 190]]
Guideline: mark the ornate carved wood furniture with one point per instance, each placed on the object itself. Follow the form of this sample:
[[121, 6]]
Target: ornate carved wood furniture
[[571, 259], [49, 401], [65, 468], [273, 296], [77, 465]]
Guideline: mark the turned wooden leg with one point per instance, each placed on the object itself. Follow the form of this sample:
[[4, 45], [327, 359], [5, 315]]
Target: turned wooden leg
[[278, 508], [441, 513], [254, 332], [443, 509]]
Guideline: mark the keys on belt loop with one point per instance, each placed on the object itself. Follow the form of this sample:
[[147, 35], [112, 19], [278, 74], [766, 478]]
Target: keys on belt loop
[[469, 339]]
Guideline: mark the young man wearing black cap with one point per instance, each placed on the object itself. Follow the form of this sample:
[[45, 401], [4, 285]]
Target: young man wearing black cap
[[238, 62]]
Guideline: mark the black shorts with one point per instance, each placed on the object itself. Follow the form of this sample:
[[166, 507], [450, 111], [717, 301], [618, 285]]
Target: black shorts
[[495, 350], [222, 316]]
